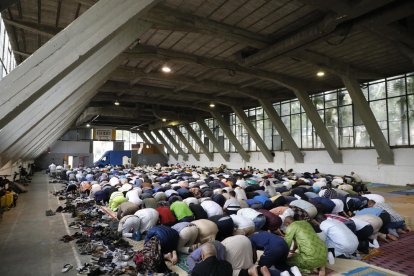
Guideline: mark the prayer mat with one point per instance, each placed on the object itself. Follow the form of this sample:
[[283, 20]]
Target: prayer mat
[[365, 271], [397, 255], [404, 192], [377, 185], [182, 262]]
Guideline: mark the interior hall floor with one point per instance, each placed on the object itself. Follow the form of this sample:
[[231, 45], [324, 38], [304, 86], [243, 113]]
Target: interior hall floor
[[29, 240], [30, 245]]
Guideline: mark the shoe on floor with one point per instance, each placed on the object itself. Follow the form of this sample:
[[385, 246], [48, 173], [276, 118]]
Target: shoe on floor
[[331, 258], [295, 271]]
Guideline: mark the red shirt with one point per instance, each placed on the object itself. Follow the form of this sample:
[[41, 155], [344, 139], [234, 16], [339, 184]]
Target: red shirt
[[166, 216]]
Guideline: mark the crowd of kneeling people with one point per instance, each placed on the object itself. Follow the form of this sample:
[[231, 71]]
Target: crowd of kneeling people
[[222, 217]]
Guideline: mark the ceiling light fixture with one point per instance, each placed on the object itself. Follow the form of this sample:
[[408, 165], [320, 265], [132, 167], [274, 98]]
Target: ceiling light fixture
[[164, 120], [320, 74], [212, 105], [166, 69], [116, 102], [88, 125]]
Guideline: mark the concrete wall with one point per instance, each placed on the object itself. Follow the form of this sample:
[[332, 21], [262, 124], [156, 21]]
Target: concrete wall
[[362, 161], [80, 150]]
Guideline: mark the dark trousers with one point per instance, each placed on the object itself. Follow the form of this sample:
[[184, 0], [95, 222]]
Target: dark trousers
[[363, 238]]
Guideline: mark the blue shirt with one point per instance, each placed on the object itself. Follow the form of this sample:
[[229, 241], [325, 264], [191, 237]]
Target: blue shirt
[[369, 211]]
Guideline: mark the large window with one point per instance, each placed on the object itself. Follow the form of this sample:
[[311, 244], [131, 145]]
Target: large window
[[391, 101], [128, 137], [7, 60]]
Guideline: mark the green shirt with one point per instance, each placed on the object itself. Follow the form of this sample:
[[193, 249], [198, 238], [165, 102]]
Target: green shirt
[[180, 210]]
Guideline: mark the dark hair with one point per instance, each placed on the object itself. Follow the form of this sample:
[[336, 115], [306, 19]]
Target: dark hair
[[232, 193]]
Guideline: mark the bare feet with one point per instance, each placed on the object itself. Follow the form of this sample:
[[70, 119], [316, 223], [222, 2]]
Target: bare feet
[[253, 271], [322, 271], [174, 259], [168, 257], [265, 271], [392, 237], [400, 231]]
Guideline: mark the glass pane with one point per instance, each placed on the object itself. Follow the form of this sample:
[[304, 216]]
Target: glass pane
[[396, 87], [285, 109], [377, 91], [330, 100], [397, 116], [361, 137], [345, 116], [343, 97], [346, 137], [379, 109], [318, 101], [295, 107], [410, 84], [306, 132], [259, 113], [411, 117]]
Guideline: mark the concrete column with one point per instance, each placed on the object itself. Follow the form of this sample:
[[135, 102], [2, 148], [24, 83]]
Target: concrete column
[[67, 86], [175, 143], [367, 116], [183, 139], [79, 98], [164, 142], [207, 131], [319, 125], [155, 143], [200, 143], [146, 140], [253, 133], [64, 53], [283, 131], [226, 129]]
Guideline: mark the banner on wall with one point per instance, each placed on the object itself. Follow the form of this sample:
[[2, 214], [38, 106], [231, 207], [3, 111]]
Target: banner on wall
[[104, 134]]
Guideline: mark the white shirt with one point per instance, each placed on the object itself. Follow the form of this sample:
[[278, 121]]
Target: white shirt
[[242, 183], [52, 167], [211, 208], [241, 222], [239, 252], [248, 213], [359, 223], [339, 237], [133, 196], [149, 218], [339, 206], [190, 200], [240, 193], [375, 197]]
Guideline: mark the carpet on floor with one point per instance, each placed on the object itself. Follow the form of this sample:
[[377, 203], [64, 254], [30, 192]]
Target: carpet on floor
[[404, 192], [182, 262], [397, 255], [365, 271], [377, 185]]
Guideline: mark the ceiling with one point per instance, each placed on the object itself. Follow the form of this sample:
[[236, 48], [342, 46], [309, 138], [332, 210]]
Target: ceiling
[[230, 52]]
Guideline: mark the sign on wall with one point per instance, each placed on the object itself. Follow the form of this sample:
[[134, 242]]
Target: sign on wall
[[104, 134]]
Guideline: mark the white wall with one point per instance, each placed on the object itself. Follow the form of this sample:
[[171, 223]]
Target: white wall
[[61, 149], [70, 147], [362, 161]]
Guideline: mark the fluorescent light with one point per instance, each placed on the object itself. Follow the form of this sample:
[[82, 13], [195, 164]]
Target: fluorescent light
[[320, 73], [212, 105], [116, 102], [166, 69]]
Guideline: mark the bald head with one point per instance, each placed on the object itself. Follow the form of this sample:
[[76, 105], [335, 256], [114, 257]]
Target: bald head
[[208, 249]]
